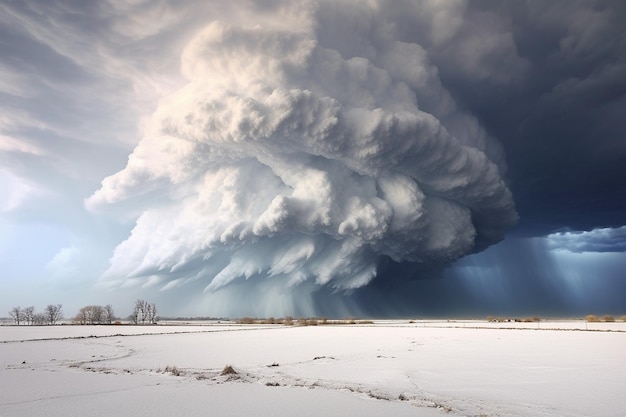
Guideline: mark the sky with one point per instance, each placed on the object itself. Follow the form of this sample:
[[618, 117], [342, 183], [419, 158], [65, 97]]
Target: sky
[[308, 158]]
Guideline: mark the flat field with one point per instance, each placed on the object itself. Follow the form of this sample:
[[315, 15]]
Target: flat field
[[394, 368]]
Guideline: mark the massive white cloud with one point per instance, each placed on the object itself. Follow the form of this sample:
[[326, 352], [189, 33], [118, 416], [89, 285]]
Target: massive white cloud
[[298, 156]]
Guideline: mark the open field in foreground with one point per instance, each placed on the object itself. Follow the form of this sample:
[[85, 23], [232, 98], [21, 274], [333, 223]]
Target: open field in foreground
[[393, 368]]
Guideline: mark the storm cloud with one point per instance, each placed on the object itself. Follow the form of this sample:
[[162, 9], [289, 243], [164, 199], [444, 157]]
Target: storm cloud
[[315, 157], [281, 157]]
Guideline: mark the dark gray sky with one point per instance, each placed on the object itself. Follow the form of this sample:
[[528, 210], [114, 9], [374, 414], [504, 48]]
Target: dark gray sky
[[314, 158]]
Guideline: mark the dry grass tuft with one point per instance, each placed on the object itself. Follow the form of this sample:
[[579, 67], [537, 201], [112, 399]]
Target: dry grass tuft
[[228, 370], [623, 318], [533, 319], [247, 320], [608, 318], [591, 318], [171, 369]]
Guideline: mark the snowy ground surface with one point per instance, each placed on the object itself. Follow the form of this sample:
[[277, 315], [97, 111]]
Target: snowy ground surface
[[389, 368]]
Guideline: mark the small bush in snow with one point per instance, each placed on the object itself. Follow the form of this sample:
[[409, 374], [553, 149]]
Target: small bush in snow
[[247, 320], [228, 370], [170, 369]]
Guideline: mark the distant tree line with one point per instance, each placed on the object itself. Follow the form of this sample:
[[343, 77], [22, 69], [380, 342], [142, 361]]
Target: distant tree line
[[143, 313], [95, 315], [27, 316]]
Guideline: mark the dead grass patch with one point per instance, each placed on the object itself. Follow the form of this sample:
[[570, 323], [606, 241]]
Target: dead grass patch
[[171, 369], [228, 371]]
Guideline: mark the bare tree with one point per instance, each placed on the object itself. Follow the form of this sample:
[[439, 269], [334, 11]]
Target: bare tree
[[144, 311], [29, 313], [80, 317], [84, 315], [39, 319], [95, 315], [134, 316], [16, 313], [151, 311], [107, 314], [54, 313], [141, 306]]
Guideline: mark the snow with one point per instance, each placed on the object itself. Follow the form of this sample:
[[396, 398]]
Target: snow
[[436, 368]]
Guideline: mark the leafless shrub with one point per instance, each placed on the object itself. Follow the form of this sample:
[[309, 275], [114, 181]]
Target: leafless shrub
[[533, 319], [623, 318], [228, 370], [493, 319], [591, 318], [247, 320], [608, 318], [170, 369]]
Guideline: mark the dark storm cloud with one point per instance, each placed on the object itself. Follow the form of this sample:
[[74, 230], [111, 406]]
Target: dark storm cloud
[[515, 278], [558, 109]]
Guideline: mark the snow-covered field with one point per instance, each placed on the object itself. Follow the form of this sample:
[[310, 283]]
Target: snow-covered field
[[390, 368]]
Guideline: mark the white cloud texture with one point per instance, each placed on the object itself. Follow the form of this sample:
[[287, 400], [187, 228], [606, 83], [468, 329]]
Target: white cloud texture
[[596, 240], [299, 156]]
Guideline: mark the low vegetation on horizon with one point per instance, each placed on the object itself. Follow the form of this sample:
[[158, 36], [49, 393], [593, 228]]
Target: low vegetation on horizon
[[607, 318], [143, 313], [591, 318], [533, 319], [290, 321]]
